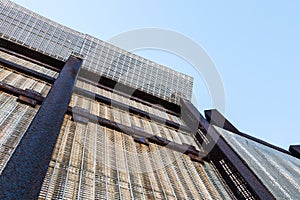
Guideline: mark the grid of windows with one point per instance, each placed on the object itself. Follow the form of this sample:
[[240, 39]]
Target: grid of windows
[[24, 27], [136, 71], [38, 33]]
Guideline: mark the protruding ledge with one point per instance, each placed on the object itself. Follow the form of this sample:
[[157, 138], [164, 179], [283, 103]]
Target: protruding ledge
[[214, 117], [295, 150]]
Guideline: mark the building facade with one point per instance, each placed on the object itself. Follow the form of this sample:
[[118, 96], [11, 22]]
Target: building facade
[[83, 119]]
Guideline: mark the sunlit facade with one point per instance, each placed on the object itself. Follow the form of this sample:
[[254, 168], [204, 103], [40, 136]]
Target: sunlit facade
[[43, 35], [113, 140]]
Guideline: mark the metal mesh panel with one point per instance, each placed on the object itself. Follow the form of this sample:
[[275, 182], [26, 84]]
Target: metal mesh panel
[[123, 117], [22, 81], [90, 161], [135, 71], [93, 162], [31, 30], [14, 116], [238, 181], [212, 175], [14, 120], [128, 102], [269, 165], [38, 33], [120, 168], [28, 64]]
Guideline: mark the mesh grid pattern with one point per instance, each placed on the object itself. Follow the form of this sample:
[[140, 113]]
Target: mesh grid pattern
[[279, 172], [38, 33], [14, 116], [126, 118], [135, 71], [28, 64], [22, 81], [29, 29], [90, 161], [14, 120], [128, 102], [93, 162]]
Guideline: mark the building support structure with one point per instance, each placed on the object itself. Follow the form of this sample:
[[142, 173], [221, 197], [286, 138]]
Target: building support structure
[[23, 175]]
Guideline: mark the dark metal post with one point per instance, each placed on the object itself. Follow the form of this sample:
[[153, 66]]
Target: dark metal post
[[23, 175], [295, 150], [222, 151]]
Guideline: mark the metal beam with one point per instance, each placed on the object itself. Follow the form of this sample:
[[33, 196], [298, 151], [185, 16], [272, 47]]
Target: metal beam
[[90, 77], [216, 118], [84, 115], [131, 109], [223, 151], [19, 92], [31, 55], [295, 150], [29, 59], [23, 175], [129, 92], [26, 71], [97, 97], [27, 93]]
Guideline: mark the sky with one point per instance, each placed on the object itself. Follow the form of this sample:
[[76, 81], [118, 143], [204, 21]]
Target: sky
[[253, 44]]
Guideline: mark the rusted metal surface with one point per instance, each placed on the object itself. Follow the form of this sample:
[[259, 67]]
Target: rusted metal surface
[[97, 97], [159, 140], [222, 151], [141, 140], [27, 101], [24, 173], [34, 95], [196, 158], [136, 132], [19, 92]]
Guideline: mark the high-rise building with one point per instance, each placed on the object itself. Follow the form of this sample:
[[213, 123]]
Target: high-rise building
[[83, 119]]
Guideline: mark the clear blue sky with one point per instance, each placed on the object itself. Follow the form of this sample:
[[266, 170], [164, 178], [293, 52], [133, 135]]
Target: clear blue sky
[[255, 46]]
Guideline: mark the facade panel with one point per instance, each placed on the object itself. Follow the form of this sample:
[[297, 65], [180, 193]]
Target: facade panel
[[15, 117], [111, 144], [29, 29], [278, 171], [91, 161], [94, 162]]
